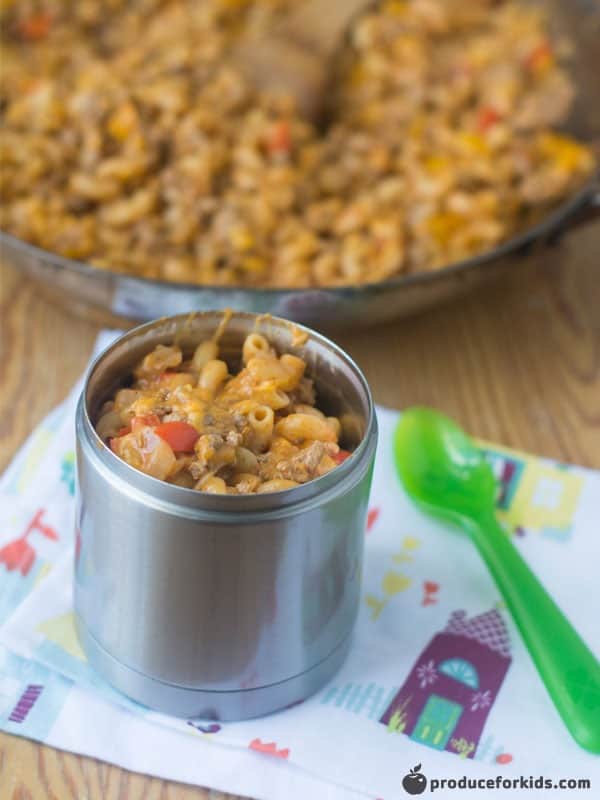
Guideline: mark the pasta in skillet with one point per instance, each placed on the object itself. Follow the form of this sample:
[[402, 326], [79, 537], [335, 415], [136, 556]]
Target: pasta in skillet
[[191, 423], [131, 141]]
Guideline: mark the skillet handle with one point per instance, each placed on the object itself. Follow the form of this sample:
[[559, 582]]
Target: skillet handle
[[586, 211]]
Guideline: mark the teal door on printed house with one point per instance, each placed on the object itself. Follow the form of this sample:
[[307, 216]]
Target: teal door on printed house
[[437, 722]]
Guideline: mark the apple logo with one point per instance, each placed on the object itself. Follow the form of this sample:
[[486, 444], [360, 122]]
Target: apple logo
[[414, 782]]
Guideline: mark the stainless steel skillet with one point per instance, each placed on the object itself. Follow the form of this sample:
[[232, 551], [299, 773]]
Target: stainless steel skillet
[[108, 296]]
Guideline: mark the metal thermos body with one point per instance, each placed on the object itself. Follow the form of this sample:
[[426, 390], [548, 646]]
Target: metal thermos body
[[220, 606]]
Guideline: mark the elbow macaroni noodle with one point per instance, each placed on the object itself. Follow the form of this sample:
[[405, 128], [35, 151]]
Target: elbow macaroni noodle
[[190, 423]]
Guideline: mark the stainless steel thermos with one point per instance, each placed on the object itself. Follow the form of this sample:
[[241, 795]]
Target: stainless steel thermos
[[220, 606]]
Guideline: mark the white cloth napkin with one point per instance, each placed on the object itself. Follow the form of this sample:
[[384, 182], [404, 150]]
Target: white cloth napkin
[[437, 675]]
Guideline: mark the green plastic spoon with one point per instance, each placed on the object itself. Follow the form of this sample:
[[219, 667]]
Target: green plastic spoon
[[446, 474]]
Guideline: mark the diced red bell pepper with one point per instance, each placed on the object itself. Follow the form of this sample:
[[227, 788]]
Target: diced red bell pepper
[[488, 116], [35, 27], [341, 456], [279, 140], [124, 431], [539, 58], [181, 436], [145, 421]]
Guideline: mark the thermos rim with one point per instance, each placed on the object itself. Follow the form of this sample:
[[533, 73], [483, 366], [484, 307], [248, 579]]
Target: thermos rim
[[180, 501]]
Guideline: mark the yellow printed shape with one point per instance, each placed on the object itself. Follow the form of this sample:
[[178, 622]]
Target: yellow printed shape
[[44, 571], [61, 631], [375, 605], [546, 497], [394, 582], [34, 456], [410, 543]]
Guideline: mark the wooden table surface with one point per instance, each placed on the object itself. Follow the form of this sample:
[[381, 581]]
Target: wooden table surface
[[517, 363]]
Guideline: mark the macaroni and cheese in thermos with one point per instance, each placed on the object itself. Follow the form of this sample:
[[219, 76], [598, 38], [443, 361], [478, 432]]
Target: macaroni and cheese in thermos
[[220, 606]]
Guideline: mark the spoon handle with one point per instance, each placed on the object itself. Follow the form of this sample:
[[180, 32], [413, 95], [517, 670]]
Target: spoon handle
[[567, 666]]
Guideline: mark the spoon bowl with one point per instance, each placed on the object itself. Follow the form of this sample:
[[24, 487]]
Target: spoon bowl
[[441, 467]]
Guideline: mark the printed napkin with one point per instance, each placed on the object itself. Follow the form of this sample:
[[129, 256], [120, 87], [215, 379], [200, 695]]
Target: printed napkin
[[437, 694]]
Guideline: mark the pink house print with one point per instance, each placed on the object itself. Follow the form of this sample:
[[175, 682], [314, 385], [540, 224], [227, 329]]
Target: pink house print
[[452, 686]]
